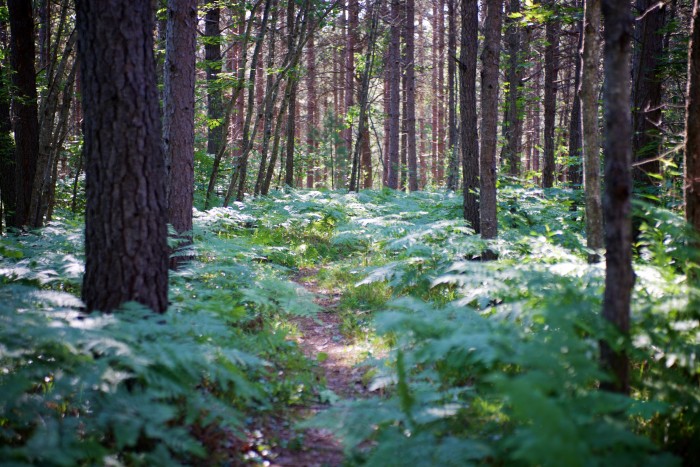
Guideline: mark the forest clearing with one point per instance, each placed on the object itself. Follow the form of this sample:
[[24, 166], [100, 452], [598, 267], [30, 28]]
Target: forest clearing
[[339, 233]]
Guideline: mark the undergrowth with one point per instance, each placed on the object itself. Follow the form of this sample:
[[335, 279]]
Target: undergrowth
[[490, 363]]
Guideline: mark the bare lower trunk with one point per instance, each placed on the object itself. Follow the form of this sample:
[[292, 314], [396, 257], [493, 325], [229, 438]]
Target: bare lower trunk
[[591, 138], [619, 276], [550, 98], [692, 125], [468, 128]]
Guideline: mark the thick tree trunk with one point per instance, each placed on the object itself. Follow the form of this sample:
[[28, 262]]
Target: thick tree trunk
[[619, 276], [551, 67], [126, 252], [692, 125], [489, 117], [646, 89], [467, 98], [394, 68], [24, 107], [178, 118], [591, 139]]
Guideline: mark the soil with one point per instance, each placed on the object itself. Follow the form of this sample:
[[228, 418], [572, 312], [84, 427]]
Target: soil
[[321, 341]]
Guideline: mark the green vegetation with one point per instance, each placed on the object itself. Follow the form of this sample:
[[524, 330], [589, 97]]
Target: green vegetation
[[488, 363]]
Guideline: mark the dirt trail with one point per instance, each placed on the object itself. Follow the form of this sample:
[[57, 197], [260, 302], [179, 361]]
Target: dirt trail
[[320, 340]]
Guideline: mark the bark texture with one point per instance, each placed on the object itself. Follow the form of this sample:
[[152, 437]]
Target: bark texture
[[512, 122], [394, 82], [178, 121], [411, 98], [126, 253], [489, 117], [467, 99], [619, 276], [591, 137]]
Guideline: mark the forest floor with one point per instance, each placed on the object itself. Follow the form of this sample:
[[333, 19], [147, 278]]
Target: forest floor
[[337, 356]]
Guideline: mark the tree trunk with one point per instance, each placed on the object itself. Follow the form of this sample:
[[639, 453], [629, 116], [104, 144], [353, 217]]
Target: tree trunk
[[7, 147], [551, 67], [591, 139], [619, 276], [489, 117], [575, 175], [394, 68], [178, 118], [411, 98], [512, 123], [646, 90], [24, 108], [467, 97], [453, 167], [126, 252], [311, 112], [692, 125], [212, 55]]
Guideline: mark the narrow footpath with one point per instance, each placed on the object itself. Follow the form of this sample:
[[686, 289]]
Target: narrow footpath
[[321, 341]]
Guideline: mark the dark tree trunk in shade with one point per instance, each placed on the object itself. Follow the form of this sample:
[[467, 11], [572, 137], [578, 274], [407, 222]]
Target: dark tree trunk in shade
[[126, 252], [512, 121], [212, 55], [591, 138], [24, 107], [619, 276], [394, 82], [178, 118], [291, 133], [692, 125], [352, 33], [7, 147], [575, 138], [551, 67], [646, 89], [467, 98], [453, 150], [411, 97], [440, 96], [489, 117]]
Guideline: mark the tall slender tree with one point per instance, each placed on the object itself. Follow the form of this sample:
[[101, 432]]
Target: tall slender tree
[[25, 108], [489, 117], [692, 125], [467, 103], [126, 252], [551, 68], [178, 121], [453, 150], [590, 57], [512, 121], [394, 83], [619, 276], [411, 97]]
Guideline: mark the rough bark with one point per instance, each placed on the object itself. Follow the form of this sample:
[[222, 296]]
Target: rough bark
[[619, 276], [411, 156], [440, 96], [126, 253], [489, 117], [591, 138], [467, 98], [394, 82], [178, 118], [692, 125], [646, 90], [24, 107], [311, 112]]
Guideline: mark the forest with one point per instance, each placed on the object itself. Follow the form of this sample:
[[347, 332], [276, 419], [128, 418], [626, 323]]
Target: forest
[[350, 232]]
